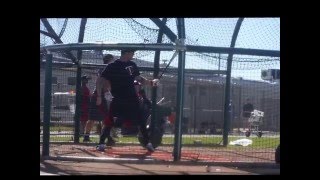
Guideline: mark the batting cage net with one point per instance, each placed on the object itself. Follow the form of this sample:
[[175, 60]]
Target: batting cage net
[[247, 130]]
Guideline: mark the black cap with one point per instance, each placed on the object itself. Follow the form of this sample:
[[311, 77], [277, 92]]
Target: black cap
[[107, 58], [127, 50], [85, 77]]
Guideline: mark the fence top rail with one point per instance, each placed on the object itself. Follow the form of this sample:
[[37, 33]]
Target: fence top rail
[[158, 46]]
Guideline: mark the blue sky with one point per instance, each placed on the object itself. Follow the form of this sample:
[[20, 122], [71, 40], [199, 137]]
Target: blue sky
[[255, 33]]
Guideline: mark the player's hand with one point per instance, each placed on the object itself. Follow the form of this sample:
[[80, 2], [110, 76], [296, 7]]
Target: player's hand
[[155, 82], [108, 96], [98, 102]]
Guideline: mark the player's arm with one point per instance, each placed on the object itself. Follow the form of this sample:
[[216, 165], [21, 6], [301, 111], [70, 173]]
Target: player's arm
[[99, 84], [102, 85], [145, 81]]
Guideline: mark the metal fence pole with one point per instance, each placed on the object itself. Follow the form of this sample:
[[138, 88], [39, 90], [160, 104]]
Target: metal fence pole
[[47, 105], [78, 105], [78, 85], [226, 124], [180, 93]]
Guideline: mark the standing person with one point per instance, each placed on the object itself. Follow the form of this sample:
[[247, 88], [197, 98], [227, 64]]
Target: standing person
[[85, 94], [119, 77], [231, 114], [246, 111], [97, 112], [172, 118]]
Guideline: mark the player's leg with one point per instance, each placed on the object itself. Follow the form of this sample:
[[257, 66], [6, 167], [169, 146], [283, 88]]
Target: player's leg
[[105, 132], [82, 127], [140, 119], [92, 116], [87, 130]]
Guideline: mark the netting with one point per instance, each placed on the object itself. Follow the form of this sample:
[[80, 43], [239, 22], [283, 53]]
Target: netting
[[255, 33], [204, 90]]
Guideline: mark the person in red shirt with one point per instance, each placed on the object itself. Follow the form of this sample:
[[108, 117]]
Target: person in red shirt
[[172, 118], [97, 112], [85, 98]]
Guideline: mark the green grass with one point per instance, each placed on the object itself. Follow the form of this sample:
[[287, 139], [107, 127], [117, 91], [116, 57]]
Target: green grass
[[62, 128], [263, 142]]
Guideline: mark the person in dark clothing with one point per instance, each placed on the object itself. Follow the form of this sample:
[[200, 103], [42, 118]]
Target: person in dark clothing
[[246, 111], [119, 78], [144, 108]]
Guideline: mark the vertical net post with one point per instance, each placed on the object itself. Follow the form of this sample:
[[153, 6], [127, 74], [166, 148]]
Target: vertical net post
[[156, 75], [78, 85], [180, 92], [226, 124], [47, 106]]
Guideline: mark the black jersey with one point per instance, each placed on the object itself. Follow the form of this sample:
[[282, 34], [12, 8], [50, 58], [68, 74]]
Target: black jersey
[[247, 109], [121, 75]]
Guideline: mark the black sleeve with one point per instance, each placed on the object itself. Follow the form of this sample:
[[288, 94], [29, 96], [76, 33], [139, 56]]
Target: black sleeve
[[100, 71], [106, 72], [148, 102], [136, 70], [252, 107]]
